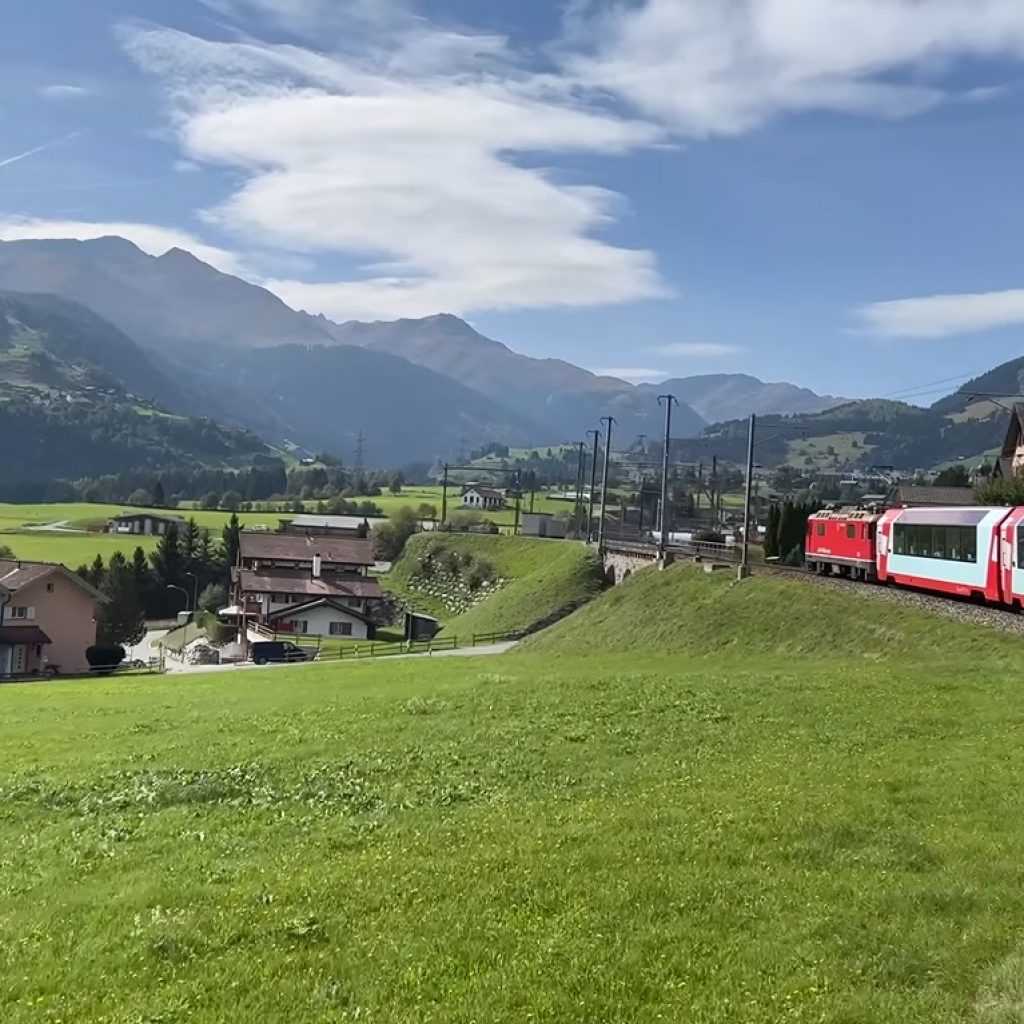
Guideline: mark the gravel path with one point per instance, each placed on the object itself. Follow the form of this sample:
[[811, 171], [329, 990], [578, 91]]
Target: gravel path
[[962, 611]]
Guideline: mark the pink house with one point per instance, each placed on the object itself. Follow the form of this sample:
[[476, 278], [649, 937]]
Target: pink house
[[47, 619]]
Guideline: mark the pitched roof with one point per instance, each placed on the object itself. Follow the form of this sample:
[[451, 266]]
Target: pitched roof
[[301, 547], [916, 494], [142, 514], [485, 492], [16, 575], [314, 523], [320, 602], [299, 581]]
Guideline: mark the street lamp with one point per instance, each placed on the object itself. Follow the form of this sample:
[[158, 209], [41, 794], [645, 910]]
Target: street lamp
[[195, 590]]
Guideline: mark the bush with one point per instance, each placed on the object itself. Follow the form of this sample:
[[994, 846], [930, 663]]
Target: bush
[[213, 598], [389, 538], [104, 658]]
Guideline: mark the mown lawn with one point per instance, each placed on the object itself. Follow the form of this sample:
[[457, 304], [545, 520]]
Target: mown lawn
[[747, 832]]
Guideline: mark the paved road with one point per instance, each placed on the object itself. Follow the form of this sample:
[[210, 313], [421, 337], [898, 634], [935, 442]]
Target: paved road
[[144, 649], [174, 668]]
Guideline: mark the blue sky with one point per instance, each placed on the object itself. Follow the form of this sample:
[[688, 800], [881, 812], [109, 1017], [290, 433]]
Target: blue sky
[[822, 191]]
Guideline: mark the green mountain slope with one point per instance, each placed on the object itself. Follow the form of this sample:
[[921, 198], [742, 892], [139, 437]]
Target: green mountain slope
[[76, 400], [870, 432]]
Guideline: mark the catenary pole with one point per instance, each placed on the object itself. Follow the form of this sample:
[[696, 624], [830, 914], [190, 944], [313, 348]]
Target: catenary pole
[[749, 492], [663, 518], [596, 435], [610, 421]]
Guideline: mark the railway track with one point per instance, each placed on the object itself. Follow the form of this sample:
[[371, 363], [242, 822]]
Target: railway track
[[948, 607]]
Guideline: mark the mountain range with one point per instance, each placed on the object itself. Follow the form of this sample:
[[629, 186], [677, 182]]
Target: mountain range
[[207, 343]]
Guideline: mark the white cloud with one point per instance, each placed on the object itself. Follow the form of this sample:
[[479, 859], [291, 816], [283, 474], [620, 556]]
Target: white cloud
[[406, 167], [711, 67], [150, 238], [419, 154], [697, 349], [186, 167], [63, 92], [313, 17], [939, 316], [633, 374]]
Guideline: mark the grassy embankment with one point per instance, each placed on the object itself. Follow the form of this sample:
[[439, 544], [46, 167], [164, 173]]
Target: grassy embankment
[[544, 578], [776, 804]]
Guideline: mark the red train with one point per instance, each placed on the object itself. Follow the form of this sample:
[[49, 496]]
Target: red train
[[971, 551]]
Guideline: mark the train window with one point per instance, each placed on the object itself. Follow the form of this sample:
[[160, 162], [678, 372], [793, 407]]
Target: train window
[[1020, 546], [851, 531], [821, 529], [949, 543]]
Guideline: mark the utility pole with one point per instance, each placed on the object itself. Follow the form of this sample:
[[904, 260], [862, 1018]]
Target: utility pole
[[611, 421], [581, 463], [664, 522], [596, 434], [519, 499], [360, 452], [750, 489], [444, 496]]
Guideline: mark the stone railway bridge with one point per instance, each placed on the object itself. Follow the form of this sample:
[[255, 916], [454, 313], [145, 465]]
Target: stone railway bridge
[[623, 558]]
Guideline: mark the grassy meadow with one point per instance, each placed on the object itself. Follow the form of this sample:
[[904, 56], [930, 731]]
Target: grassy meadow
[[80, 547], [693, 801]]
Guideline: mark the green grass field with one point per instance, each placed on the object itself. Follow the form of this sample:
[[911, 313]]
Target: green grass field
[[544, 577], [685, 804], [74, 549]]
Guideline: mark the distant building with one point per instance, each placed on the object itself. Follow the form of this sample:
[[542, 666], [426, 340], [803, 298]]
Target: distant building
[[484, 499], [351, 526], [148, 524], [920, 496], [47, 618], [1010, 460], [543, 524]]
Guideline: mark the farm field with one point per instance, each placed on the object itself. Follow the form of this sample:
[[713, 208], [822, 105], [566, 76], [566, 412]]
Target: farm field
[[79, 548], [753, 828], [74, 549]]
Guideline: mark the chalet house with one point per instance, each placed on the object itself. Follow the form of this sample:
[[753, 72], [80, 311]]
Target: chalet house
[[1010, 460], [484, 499], [47, 619], [144, 524], [306, 584]]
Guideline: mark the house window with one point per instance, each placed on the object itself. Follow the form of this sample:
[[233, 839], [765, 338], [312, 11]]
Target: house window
[[22, 612], [341, 629], [49, 588]]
